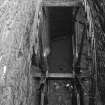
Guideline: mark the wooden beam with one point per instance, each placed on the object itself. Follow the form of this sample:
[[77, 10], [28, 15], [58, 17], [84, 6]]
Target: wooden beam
[[60, 75], [61, 3], [55, 75]]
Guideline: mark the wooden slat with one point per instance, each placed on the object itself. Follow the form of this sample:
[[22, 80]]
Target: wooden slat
[[55, 75], [61, 3], [60, 75]]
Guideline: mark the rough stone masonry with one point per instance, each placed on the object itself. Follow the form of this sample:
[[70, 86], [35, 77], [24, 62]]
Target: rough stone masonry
[[17, 36]]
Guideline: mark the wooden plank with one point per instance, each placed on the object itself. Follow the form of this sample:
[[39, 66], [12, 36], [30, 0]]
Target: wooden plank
[[61, 3], [55, 75], [60, 75]]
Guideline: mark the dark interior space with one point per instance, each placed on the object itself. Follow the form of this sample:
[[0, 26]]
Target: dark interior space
[[60, 21], [60, 32], [60, 58]]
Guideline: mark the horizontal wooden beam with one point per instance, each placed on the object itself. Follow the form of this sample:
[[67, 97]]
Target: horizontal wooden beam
[[36, 74], [59, 75], [54, 75], [61, 3]]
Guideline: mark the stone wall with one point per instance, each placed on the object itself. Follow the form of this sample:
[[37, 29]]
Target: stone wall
[[16, 41]]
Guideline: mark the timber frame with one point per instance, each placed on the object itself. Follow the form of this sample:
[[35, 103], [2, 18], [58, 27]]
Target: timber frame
[[46, 75]]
